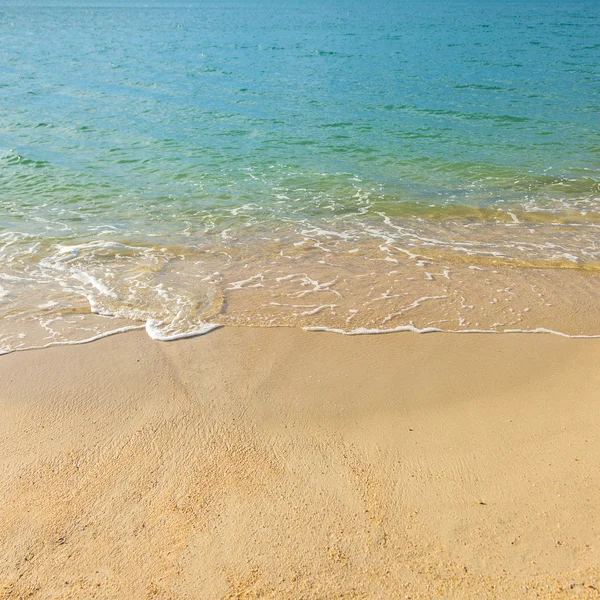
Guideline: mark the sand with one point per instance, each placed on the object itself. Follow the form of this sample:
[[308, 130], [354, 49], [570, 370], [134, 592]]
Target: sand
[[277, 463]]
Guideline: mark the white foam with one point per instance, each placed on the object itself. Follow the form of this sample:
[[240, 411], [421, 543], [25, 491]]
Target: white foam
[[74, 249], [154, 331], [239, 285], [413, 305], [89, 280], [48, 304], [327, 233], [314, 311], [552, 331], [317, 286], [366, 331], [76, 342]]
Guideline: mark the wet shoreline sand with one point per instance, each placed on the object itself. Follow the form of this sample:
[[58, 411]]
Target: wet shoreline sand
[[270, 463], [478, 279]]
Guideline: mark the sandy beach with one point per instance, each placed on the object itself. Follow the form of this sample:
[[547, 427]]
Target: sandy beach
[[277, 463], [299, 300]]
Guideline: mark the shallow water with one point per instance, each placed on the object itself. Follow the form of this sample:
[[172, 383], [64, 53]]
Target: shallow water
[[351, 166]]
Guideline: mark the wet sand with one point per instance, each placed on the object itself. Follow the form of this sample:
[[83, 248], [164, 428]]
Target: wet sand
[[277, 463]]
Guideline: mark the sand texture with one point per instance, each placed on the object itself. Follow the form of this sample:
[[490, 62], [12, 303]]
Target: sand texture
[[277, 463]]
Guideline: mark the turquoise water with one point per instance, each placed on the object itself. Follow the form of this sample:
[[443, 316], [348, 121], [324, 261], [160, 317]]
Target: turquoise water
[[188, 129]]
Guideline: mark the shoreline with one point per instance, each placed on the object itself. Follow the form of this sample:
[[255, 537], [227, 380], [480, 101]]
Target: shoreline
[[211, 327], [396, 280], [266, 462]]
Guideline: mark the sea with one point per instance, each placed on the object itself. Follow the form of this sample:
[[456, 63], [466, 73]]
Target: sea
[[351, 166]]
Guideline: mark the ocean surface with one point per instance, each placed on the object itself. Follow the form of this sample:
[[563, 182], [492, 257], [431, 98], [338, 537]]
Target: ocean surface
[[353, 166]]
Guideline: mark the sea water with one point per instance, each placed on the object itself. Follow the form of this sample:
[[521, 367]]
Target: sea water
[[355, 166]]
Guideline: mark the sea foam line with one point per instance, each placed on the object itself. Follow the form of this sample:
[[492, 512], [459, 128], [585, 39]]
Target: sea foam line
[[154, 334], [150, 326], [366, 331], [153, 331], [76, 342]]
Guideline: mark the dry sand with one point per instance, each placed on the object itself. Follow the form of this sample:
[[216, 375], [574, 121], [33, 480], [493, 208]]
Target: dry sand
[[278, 463]]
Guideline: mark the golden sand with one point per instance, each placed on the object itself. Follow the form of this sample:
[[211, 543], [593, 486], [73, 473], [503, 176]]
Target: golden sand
[[276, 463]]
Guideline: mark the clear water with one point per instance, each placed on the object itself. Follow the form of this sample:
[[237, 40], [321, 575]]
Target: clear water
[[155, 154]]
